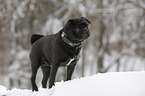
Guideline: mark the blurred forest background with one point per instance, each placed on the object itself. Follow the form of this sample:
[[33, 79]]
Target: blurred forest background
[[117, 41]]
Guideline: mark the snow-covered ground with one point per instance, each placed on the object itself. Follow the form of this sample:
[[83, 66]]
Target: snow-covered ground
[[107, 84]]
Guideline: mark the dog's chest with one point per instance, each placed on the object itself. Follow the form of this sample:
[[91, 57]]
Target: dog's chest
[[72, 57], [70, 61], [67, 62]]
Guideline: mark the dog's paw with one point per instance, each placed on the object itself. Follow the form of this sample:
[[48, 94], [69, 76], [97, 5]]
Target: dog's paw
[[35, 89]]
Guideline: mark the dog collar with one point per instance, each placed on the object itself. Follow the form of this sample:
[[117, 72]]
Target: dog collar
[[64, 38]]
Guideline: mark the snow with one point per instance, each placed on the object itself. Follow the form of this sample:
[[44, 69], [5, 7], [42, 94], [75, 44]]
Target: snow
[[107, 84]]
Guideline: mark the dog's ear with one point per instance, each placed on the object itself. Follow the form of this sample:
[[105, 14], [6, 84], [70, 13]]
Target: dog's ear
[[69, 25], [71, 21], [83, 18]]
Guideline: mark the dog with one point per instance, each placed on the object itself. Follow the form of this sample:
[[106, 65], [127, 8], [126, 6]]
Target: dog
[[56, 50]]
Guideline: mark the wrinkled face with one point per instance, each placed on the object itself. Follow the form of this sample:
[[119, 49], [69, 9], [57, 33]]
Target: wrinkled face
[[77, 29]]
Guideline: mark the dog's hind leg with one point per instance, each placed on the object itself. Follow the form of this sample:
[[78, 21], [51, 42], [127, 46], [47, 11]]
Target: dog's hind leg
[[46, 73], [35, 64]]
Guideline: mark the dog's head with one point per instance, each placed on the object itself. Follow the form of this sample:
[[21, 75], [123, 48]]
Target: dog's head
[[77, 29]]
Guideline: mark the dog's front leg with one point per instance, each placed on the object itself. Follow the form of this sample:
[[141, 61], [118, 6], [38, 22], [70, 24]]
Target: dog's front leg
[[52, 75], [70, 70], [71, 67]]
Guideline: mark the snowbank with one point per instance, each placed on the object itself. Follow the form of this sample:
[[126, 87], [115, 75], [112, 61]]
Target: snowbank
[[107, 84]]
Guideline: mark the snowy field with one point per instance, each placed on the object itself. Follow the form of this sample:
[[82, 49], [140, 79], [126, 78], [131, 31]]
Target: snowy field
[[107, 84]]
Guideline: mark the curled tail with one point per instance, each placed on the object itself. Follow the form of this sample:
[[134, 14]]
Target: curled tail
[[35, 37]]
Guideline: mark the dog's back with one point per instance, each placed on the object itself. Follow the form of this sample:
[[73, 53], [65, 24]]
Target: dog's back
[[35, 37]]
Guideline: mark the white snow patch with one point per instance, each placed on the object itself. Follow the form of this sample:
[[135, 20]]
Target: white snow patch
[[107, 84]]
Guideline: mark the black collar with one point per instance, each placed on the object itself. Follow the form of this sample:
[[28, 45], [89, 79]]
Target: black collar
[[67, 41]]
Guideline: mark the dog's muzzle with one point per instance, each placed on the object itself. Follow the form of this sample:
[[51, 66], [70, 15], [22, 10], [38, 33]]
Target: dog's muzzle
[[86, 33]]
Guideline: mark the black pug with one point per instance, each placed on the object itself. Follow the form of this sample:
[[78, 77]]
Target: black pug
[[56, 50]]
